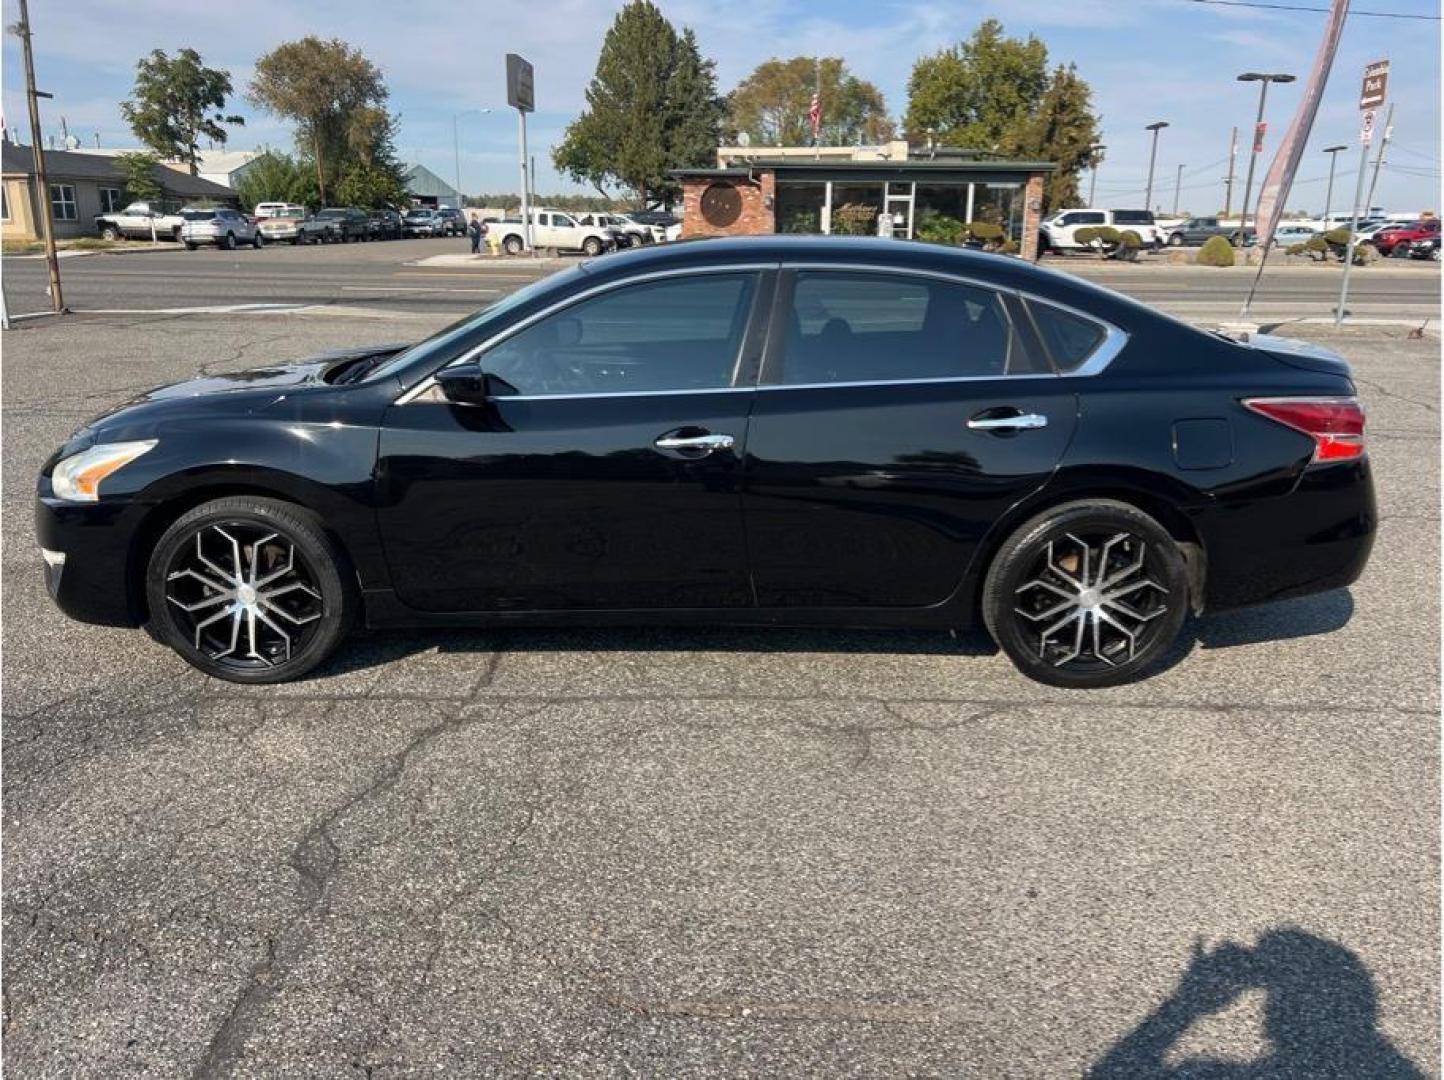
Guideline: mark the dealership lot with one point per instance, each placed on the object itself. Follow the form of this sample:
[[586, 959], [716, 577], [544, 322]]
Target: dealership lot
[[697, 852]]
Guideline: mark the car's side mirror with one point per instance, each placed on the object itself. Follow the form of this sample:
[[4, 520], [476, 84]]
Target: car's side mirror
[[468, 384]]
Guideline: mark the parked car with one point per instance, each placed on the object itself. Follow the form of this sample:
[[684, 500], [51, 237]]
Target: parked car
[[1286, 234], [423, 222], [347, 223], [625, 233], [661, 218], [142, 220], [221, 226], [1395, 239], [1425, 249], [295, 225], [1078, 487], [1197, 230], [453, 222], [1059, 232], [264, 210], [384, 225], [555, 229]]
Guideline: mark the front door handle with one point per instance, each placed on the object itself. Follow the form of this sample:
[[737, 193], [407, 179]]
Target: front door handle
[[694, 445], [1018, 421]]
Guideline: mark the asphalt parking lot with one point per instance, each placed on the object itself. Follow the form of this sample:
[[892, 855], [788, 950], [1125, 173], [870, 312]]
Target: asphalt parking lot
[[717, 852]]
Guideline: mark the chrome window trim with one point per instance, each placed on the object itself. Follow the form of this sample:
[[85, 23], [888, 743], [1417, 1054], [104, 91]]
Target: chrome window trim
[[596, 290]]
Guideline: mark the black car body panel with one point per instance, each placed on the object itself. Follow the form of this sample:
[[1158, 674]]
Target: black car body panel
[[865, 503]]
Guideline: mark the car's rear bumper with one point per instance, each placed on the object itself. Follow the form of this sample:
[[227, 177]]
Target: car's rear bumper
[[86, 553], [1314, 539]]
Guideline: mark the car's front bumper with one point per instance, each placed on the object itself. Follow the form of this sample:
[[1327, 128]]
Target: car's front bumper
[[85, 549]]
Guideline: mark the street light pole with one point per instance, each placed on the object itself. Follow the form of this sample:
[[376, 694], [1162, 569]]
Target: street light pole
[[1264, 79], [456, 147], [1333, 152], [1177, 186], [1152, 157], [1093, 183]]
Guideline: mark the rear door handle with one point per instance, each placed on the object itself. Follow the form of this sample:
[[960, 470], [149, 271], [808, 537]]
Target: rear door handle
[[1017, 422], [697, 445]]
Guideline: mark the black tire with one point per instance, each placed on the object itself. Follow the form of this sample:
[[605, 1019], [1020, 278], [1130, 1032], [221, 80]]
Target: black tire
[[191, 245], [110, 232], [1176, 240], [1052, 630], [229, 243], [592, 247], [296, 241], [258, 241], [247, 538], [512, 244]]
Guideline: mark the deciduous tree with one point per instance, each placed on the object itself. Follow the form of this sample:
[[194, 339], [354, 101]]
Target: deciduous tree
[[141, 182], [771, 105], [176, 102]]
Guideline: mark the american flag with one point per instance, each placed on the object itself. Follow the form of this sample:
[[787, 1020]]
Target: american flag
[[814, 113]]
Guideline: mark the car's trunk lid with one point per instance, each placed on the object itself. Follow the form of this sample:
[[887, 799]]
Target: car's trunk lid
[[1302, 354]]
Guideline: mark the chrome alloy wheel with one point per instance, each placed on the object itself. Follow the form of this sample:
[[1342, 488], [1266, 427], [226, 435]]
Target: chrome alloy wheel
[[243, 595], [1091, 600]]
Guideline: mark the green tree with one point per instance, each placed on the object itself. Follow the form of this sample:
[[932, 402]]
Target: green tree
[[651, 106], [177, 102], [273, 177], [995, 93], [371, 187], [142, 181], [327, 89], [771, 105]]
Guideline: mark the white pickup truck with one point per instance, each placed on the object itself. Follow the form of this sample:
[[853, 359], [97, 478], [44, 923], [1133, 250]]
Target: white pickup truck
[[142, 221], [553, 229], [1057, 232]]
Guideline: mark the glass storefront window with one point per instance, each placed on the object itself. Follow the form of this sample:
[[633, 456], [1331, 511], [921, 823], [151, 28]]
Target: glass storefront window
[[799, 207]]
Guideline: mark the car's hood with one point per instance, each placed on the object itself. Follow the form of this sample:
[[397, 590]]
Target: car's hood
[[263, 385]]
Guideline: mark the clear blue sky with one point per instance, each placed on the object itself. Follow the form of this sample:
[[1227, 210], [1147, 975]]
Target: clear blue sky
[[1147, 60]]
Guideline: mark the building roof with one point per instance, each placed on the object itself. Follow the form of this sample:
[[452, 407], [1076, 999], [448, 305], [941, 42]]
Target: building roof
[[420, 180], [911, 165], [76, 165]]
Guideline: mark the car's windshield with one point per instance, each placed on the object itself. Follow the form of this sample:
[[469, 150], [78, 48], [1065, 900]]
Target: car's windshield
[[438, 343]]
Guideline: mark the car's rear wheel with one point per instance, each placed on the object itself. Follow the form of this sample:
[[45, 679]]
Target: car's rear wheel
[[249, 589], [191, 245], [1087, 594], [512, 245], [258, 241], [229, 243]]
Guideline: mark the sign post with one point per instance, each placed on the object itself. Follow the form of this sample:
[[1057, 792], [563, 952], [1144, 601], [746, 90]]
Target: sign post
[[521, 95], [1371, 96]]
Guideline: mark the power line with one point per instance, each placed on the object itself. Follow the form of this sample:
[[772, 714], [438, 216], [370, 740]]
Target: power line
[[1301, 7]]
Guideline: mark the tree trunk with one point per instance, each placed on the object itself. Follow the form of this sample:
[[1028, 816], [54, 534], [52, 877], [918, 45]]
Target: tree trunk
[[320, 173]]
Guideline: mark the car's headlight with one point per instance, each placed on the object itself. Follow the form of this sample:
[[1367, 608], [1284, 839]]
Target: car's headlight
[[78, 477]]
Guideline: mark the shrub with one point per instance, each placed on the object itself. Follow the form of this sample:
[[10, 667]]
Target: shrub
[[937, 228], [985, 232], [854, 219], [1337, 237], [1008, 247], [800, 219], [1216, 251]]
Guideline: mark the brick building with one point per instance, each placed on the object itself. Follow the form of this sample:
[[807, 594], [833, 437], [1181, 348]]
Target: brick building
[[889, 190]]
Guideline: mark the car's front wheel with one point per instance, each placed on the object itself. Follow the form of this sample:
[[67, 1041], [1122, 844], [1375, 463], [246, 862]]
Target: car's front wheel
[[1087, 594], [249, 589], [1176, 240], [110, 232], [592, 246]]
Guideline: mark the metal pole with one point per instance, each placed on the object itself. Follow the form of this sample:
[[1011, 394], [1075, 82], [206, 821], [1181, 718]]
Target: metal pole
[[1353, 231], [1329, 191], [1093, 185], [52, 261], [525, 204], [1177, 186], [1228, 180], [456, 149], [1252, 158], [1152, 157], [1378, 161]]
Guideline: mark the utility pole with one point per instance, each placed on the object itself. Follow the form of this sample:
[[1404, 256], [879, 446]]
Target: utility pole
[[1258, 134], [1333, 152], [1228, 180], [1379, 161], [1177, 186], [33, 96], [456, 150], [1152, 157]]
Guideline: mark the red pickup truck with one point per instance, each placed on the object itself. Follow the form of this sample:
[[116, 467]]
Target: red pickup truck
[[1399, 237]]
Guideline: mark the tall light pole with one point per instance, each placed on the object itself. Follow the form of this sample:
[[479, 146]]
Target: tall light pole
[[456, 146], [1177, 186], [1228, 180], [1155, 127], [1263, 79], [1333, 152], [1095, 152]]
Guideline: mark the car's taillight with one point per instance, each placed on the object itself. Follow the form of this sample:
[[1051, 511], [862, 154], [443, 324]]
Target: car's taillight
[[1335, 424]]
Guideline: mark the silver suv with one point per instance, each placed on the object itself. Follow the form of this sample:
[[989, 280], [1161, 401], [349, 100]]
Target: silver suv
[[221, 226]]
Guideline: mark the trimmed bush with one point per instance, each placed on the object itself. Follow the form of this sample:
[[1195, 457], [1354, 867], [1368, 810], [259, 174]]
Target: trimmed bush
[[854, 219], [1008, 247], [936, 228], [1216, 251], [985, 232], [1337, 237]]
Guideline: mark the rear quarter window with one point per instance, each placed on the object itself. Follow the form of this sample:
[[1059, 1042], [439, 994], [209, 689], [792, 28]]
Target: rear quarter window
[[1070, 339]]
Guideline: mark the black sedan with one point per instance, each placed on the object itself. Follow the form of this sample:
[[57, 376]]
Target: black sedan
[[761, 431]]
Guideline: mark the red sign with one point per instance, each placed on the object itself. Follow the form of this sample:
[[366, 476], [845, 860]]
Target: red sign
[[1258, 138]]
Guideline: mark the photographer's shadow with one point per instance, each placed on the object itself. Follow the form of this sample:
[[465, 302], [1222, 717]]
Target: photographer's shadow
[[1320, 1016]]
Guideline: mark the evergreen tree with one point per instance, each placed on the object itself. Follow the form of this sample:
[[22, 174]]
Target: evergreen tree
[[171, 110], [651, 106], [1062, 130], [771, 105]]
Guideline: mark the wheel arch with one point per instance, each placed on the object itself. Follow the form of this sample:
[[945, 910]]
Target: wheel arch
[[1158, 496], [220, 484]]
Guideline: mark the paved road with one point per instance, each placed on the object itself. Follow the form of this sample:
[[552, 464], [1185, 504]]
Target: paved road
[[377, 276], [716, 853]]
